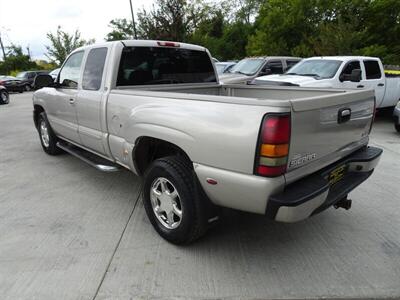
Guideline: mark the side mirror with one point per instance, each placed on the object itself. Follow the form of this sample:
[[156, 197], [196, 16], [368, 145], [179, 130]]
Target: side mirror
[[355, 75], [43, 80], [264, 72]]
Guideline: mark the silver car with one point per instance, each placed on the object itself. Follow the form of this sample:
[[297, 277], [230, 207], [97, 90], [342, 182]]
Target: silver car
[[249, 68]]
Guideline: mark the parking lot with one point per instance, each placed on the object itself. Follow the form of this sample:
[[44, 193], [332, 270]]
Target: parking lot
[[68, 231]]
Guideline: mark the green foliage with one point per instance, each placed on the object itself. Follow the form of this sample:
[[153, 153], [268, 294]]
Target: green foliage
[[233, 29], [63, 43], [122, 29], [16, 60]]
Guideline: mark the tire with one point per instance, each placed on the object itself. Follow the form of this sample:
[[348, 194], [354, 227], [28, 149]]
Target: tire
[[27, 88], [47, 137], [397, 126], [177, 175], [4, 97]]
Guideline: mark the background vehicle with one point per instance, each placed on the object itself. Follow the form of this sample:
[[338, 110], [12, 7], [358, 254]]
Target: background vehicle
[[224, 67], [12, 84], [157, 109], [54, 73], [249, 68], [396, 115], [28, 77], [4, 96], [358, 72]]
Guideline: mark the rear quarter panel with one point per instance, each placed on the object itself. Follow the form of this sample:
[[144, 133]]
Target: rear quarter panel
[[221, 135]]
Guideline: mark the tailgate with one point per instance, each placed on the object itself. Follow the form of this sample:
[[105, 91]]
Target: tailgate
[[327, 128]]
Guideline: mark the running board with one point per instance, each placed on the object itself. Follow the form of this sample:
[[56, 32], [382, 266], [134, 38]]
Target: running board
[[94, 160]]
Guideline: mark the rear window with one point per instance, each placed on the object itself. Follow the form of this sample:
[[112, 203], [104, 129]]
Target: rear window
[[372, 69], [158, 65]]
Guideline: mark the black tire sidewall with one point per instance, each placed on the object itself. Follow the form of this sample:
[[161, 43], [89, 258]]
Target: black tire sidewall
[[52, 149], [181, 234], [2, 92], [397, 127]]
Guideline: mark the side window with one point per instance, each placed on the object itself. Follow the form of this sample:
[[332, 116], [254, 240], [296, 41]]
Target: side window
[[94, 68], [350, 66], [31, 75], [275, 66], [291, 62], [372, 69], [69, 74]]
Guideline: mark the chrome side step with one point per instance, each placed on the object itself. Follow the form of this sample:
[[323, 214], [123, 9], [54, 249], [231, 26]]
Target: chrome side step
[[94, 160]]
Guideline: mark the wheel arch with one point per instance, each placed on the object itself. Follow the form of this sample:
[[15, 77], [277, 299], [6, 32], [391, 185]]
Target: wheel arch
[[37, 110], [147, 149]]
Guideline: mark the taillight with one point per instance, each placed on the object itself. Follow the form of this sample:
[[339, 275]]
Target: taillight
[[273, 145], [168, 44]]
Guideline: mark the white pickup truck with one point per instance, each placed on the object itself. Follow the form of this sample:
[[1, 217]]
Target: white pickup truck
[[157, 109], [348, 72]]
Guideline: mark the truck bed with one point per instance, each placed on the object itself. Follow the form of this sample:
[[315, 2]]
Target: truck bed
[[316, 133]]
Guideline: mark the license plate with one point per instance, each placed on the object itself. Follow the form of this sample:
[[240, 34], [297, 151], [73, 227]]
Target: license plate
[[337, 174]]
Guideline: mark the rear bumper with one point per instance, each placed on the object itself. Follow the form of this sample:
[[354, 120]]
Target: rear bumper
[[314, 193]]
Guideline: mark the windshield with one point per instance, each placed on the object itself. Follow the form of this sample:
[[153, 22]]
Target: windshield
[[317, 68], [248, 66], [21, 75]]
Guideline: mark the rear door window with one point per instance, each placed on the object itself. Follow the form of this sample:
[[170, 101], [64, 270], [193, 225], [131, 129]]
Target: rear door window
[[93, 73], [372, 69], [162, 65]]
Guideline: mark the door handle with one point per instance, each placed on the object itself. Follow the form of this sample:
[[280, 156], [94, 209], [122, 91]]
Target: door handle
[[71, 101], [344, 115], [381, 84], [360, 86]]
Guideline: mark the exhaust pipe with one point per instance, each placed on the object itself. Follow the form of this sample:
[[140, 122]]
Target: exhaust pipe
[[343, 203]]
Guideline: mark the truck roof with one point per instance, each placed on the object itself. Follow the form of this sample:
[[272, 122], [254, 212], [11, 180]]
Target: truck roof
[[341, 58], [145, 43], [269, 57]]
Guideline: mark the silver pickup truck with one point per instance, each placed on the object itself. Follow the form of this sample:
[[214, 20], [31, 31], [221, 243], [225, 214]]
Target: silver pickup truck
[[156, 108]]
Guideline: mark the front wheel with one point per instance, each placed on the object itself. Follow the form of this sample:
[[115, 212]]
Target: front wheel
[[27, 88], [47, 137], [172, 202], [4, 97]]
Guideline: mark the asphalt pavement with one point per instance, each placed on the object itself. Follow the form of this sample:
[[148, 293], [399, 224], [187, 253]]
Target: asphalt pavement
[[68, 231]]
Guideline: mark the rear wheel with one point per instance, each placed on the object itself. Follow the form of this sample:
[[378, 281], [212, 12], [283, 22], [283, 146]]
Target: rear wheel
[[4, 97], [47, 137], [172, 201]]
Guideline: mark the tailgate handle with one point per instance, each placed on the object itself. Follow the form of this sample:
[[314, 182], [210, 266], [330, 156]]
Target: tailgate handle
[[344, 115]]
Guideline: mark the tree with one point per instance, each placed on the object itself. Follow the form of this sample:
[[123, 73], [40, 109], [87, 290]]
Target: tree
[[121, 30], [16, 61], [63, 43], [171, 19]]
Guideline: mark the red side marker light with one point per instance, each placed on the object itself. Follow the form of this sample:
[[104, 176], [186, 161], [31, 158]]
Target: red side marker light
[[211, 181]]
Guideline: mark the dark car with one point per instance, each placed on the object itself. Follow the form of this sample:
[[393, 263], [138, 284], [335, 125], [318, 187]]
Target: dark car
[[4, 97], [12, 84], [28, 78]]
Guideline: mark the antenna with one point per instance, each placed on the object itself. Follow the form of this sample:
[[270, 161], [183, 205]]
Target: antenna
[[133, 21]]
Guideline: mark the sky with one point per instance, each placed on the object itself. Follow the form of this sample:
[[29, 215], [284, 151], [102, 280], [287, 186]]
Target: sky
[[26, 22]]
